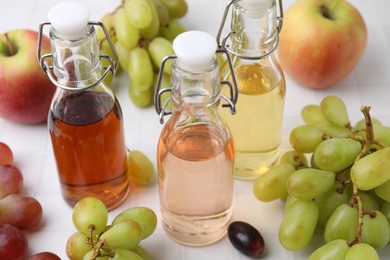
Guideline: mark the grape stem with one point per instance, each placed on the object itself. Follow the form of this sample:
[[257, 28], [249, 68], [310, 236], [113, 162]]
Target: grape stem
[[367, 145], [298, 162], [369, 130]]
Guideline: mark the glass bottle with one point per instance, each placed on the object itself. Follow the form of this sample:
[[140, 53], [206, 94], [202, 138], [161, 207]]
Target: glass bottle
[[257, 126], [85, 119], [195, 152]]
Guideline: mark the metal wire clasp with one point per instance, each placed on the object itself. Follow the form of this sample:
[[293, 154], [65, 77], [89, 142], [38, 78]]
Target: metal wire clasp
[[48, 69], [233, 89], [223, 44]]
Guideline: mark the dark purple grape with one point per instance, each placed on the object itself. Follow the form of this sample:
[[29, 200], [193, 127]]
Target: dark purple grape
[[246, 239], [13, 243], [45, 256]]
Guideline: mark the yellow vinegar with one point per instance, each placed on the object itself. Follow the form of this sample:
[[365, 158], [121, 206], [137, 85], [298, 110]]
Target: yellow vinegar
[[257, 125]]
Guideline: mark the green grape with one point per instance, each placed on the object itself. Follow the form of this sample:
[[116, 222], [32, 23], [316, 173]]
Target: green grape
[[298, 225], [123, 254], [139, 13], [159, 48], [336, 131], [123, 55], [87, 212], [344, 175], [311, 115], [271, 185], [334, 250], [336, 154], [126, 33], [342, 224], [126, 234], [376, 230], [163, 13], [152, 30], [105, 49], [141, 98], [361, 124], [335, 111], [382, 134], [107, 20], [165, 84], [171, 30], [306, 138], [140, 168], [289, 201], [313, 162], [362, 251], [372, 170], [294, 158], [176, 8], [222, 61], [308, 183], [369, 202], [385, 209], [145, 217], [329, 201], [141, 252], [76, 246], [140, 69], [89, 256]]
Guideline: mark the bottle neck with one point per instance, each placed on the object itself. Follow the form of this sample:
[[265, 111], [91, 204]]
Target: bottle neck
[[255, 28], [195, 93], [76, 62]]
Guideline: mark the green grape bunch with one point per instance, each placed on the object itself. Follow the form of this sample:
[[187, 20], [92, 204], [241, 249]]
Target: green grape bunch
[[142, 32], [95, 239], [335, 179]]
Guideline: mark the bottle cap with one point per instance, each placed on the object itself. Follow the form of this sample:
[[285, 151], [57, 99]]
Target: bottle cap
[[69, 19], [257, 7], [195, 50]]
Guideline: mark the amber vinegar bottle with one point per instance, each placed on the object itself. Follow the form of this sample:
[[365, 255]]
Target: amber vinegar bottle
[[85, 119], [195, 153], [257, 125]]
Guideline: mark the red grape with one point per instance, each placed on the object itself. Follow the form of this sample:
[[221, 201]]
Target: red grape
[[20, 210], [11, 180], [13, 243], [245, 238], [6, 156], [45, 256]]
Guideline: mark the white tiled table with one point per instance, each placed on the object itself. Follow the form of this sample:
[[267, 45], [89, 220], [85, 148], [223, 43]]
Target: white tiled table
[[368, 84]]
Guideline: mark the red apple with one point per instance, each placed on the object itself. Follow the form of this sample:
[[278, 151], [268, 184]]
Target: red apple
[[321, 41], [25, 90]]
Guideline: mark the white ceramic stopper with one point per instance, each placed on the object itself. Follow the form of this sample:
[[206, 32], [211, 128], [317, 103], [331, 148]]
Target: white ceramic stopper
[[69, 19], [195, 50]]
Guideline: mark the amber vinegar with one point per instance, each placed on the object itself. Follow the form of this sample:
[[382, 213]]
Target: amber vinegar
[[88, 142], [257, 125]]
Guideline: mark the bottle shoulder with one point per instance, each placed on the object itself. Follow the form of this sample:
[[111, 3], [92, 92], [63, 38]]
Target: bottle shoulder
[[256, 76]]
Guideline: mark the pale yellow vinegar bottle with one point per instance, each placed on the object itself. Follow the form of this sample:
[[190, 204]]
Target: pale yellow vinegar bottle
[[257, 125]]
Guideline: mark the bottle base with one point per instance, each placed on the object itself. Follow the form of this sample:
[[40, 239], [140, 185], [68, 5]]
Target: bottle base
[[250, 165], [196, 231], [112, 193]]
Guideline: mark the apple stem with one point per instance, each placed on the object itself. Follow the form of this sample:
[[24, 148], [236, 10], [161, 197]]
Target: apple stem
[[11, 46], [328, 11], [325, 12]]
